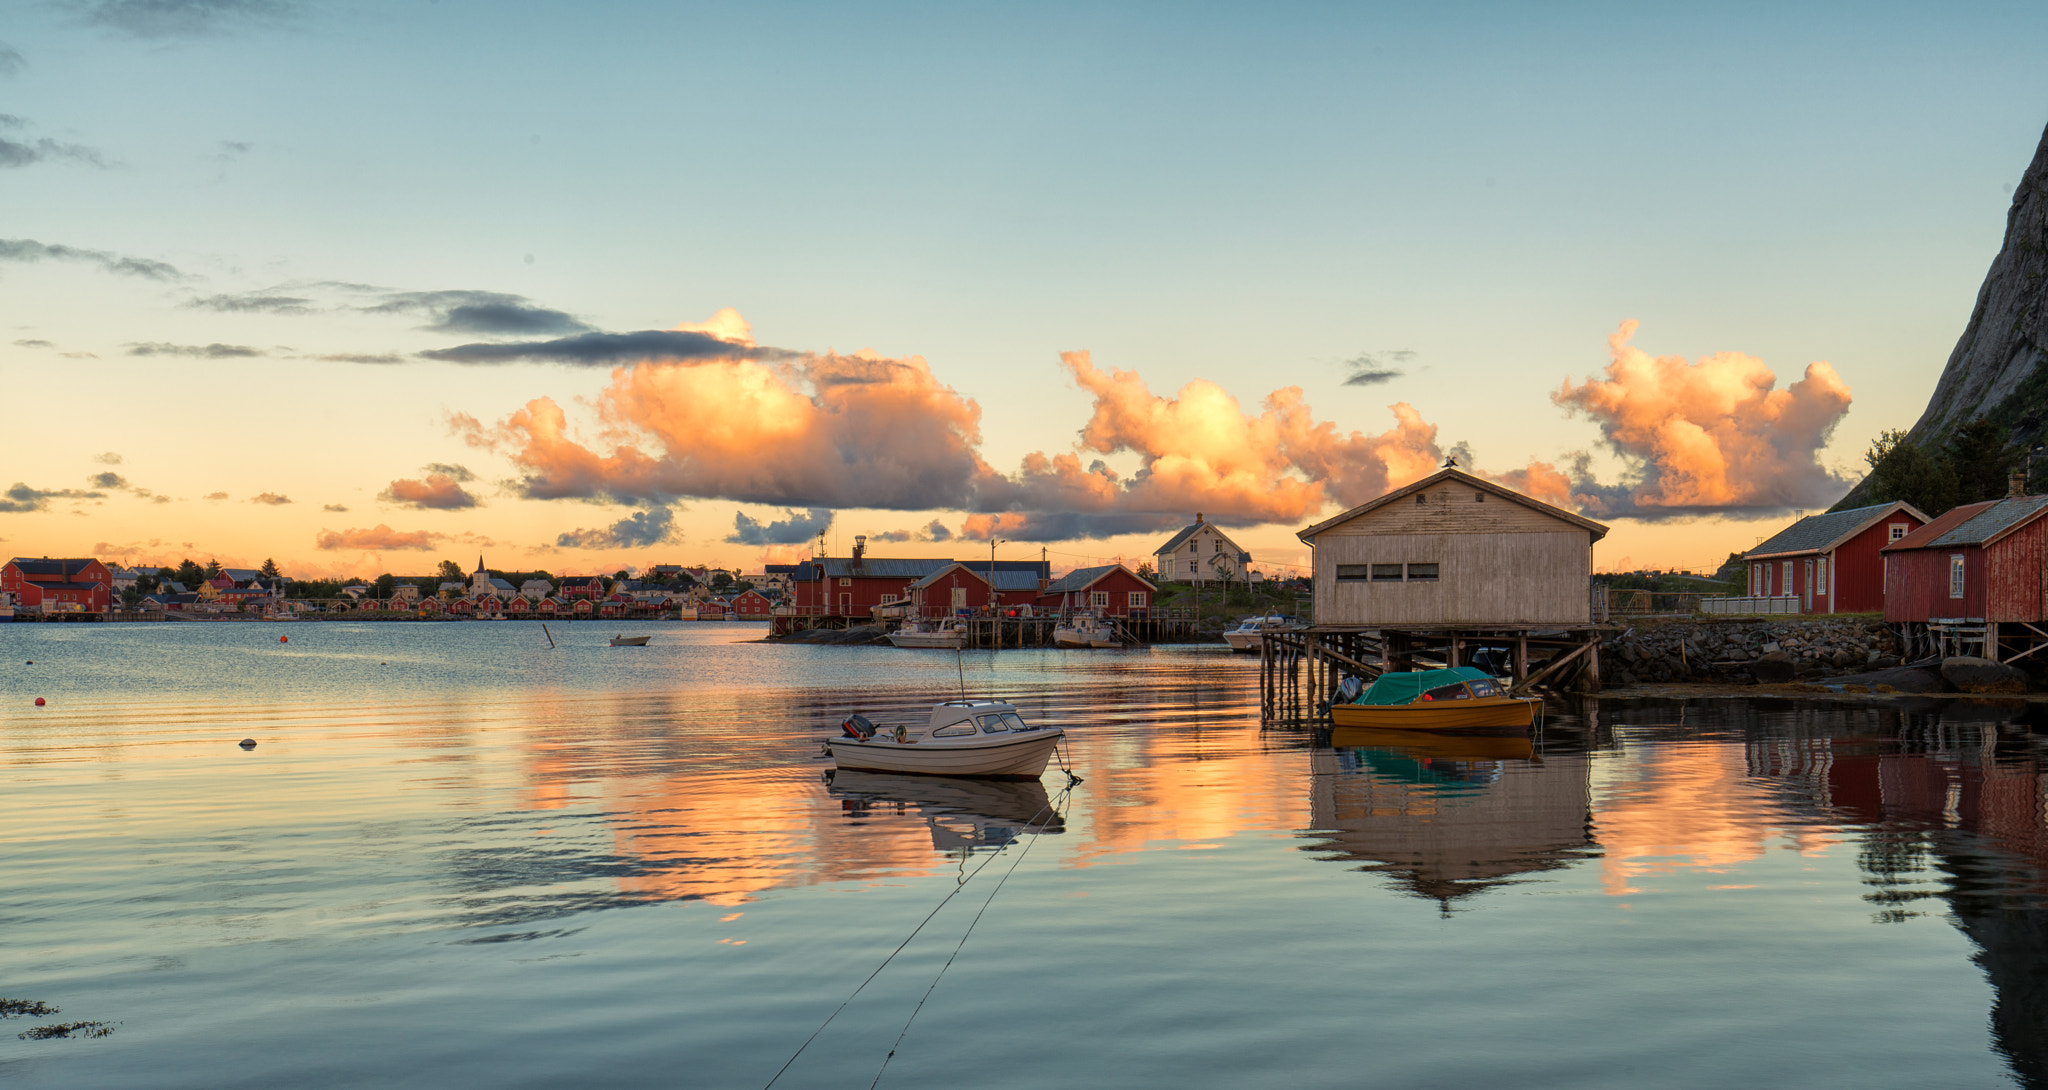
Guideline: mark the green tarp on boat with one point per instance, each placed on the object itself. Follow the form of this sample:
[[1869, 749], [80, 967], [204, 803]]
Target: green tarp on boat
[[1403, 688]]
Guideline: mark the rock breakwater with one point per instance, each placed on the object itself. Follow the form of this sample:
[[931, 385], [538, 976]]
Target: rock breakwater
[[1747, 649]]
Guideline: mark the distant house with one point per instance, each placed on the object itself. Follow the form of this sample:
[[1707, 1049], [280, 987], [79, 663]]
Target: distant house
[[536, 589], [355, 590], [588, 589], [406, 592], [72, 585], [1832, 562], [752, 605], [242, 576], [1453, 549], [1201, 553], [1108, 590], [852, 587], [972, 586]]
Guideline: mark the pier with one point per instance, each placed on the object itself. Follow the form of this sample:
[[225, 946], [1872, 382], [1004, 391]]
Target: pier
[[1299, 669], [1140, 627]]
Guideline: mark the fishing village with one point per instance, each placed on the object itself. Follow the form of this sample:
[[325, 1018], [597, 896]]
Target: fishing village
[[785, 548]]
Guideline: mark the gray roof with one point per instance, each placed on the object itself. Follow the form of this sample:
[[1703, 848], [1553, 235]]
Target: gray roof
[[879, 567], [1992, 521], [1188, 531], [1815, 533], [1005, 578], [1080, 578]]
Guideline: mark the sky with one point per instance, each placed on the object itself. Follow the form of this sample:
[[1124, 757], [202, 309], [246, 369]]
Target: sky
[[359, 287]]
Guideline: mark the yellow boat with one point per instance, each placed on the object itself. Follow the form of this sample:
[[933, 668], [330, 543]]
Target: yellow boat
[[1460, 698]]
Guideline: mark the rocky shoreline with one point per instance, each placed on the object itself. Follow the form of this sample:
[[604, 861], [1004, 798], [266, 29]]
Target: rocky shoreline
[[1839, 653]]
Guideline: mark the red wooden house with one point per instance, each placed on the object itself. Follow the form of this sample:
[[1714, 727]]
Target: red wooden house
[[752, 605], [58, 586], [1832, 562], [518, 606], [711, 609], [850, 587], [1110, 590], [1979, 562], [586, 589]]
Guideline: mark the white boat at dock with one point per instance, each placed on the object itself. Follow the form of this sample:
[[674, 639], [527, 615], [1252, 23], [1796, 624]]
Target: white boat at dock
[[1250, 633], [630, 641], [1086, 630], [960, 738], [949, 634]]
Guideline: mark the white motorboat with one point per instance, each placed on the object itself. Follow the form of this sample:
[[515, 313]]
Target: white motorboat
[[961, 738], [1250, 632], [1086, 630], [630, 641], [950, 633]]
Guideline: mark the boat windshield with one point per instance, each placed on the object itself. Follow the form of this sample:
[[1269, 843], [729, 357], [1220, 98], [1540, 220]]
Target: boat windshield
[[1448, 692], [1011, 720], [1483, 687], [952, 730], [993, 724]]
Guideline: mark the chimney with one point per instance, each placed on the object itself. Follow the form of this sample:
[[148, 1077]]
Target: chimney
[[1198, 518], [2016, 484], [860, 546]]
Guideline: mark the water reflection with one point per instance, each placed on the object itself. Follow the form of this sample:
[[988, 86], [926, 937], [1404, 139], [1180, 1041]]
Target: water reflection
[[1448, 816], [962, 816]]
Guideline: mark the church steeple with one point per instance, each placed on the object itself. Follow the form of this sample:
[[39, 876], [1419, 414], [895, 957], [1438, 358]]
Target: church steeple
[[479, 564]]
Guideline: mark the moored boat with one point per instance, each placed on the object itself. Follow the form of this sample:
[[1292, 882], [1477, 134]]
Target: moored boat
[[1085, 630], [630, 641], [949, 634], [959, 738], [1249, 634], [1458, 698]]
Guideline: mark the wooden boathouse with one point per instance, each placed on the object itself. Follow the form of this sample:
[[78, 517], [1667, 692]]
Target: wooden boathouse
[[1452, 570], [1974, 581]]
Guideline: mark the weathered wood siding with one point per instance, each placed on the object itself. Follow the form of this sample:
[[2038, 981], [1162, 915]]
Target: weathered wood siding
[[2012, 585], [1856, 578], [1515, 577], [1916, 584]]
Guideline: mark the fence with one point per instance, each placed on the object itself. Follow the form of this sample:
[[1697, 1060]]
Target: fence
[[1749, 605]]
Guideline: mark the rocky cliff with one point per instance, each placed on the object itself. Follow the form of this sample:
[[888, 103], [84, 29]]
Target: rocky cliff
[[1999, 367]]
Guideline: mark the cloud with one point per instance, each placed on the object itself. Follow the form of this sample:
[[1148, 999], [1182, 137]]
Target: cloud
[[335, 507], [22, 153], [639, 530], [181, 18], [108, 480], [486, 312], [22, 499], [32, 343], [28, 249], [379, 538], [799, 527], [216, 496], [446, 469], [255, 302], [439, 491], [108, 459], [11, 62], [1710, 437], [606, 349], [934, 531], [271, 499], [361, 357], [1373, 368], [196, 351], [836, 431], [231, 150]]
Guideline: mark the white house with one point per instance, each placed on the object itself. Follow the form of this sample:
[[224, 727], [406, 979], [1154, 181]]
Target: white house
[[1201, 553]]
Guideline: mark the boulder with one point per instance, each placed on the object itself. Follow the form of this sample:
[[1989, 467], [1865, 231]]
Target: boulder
[[1902, 680], [1775, 668], [1975, 675]]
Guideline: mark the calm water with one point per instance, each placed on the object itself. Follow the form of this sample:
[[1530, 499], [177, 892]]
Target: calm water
[[461, 858]]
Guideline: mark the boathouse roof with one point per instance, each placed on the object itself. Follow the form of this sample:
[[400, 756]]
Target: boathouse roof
[[1828, 530], [1974, 524], [1082, 578], [1462, 479]]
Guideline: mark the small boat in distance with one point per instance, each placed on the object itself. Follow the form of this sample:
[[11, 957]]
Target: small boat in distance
[[1085, 630], [1458, 698], [960, 738], [630, 641], [1250, 633], [949, 633]]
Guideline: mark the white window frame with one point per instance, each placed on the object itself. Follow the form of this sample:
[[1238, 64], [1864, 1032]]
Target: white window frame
[[1098, 599], [1137, 599], [1955, 575], [1786, 587], [890, 599], [1821, 577], [1898, 530]]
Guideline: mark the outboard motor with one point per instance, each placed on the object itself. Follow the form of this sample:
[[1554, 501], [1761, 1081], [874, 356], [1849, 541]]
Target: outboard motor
[[1347, 691], [857, 726]]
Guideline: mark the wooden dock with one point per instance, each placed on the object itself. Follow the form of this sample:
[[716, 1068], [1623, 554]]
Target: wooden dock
[[994, 632], [1298, 670]]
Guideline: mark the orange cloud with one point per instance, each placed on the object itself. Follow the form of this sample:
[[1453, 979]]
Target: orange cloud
[[1708, 436], [379, 538], [438, 491]]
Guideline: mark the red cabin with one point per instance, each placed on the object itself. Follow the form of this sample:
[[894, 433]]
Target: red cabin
[[1110, 590], [59, 586], [1832, 562], [1978, 562], [752, 605]]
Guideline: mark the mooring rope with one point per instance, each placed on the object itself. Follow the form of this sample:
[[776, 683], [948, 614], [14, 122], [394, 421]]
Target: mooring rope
[[961, 945], [958, 885]]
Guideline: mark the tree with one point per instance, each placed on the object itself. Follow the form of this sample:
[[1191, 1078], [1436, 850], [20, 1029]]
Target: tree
[[721, 580], [213, 569], [190, 574], [451, 572], [1979, 456], [384, 585], [1901, 471], [1147, 572], [269, 568]]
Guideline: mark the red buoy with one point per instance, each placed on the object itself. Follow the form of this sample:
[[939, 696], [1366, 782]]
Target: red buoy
[[284, 639], [39, 702]]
